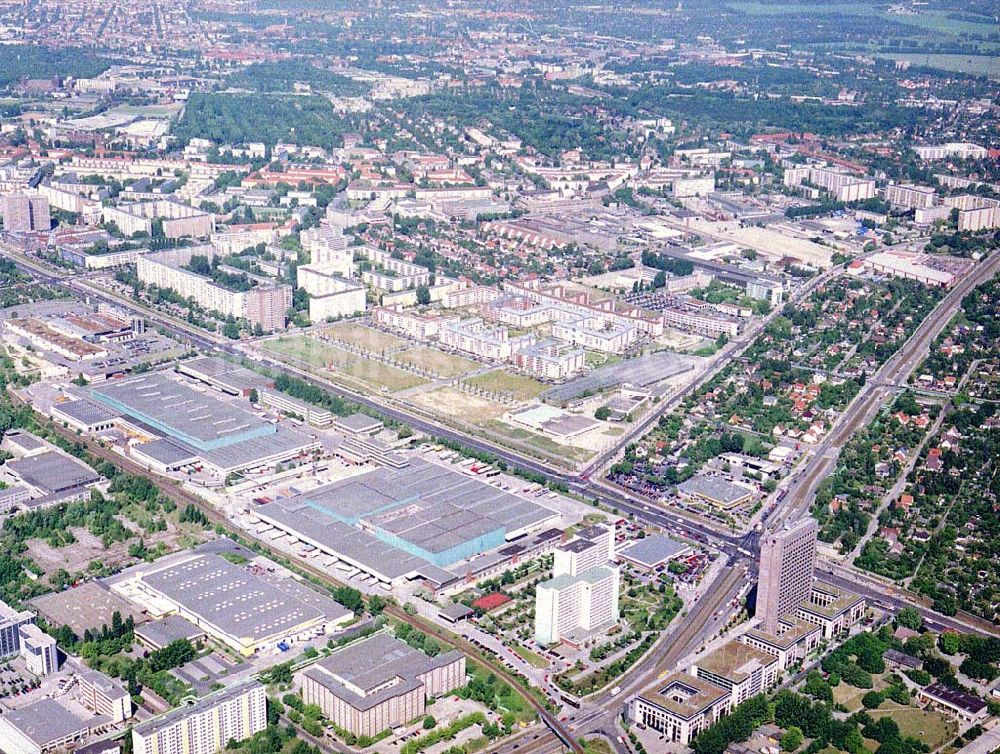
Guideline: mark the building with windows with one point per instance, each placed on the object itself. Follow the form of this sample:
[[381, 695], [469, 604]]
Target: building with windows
[[379, 682], [680, 707], [205, 727], [831, 608], [792, 641], [38, 650], [907, 196], [958, 149], [103, 696], [581, 598], [263, 303], [787, 560], [740, 669], [176, 220], [841, 185], [25, 213], [11, 622]]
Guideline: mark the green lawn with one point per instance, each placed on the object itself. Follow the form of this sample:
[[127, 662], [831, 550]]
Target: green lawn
[[438, 362], [533, 659], [977, 65], [932, 728], [341, 366], [499, 381]]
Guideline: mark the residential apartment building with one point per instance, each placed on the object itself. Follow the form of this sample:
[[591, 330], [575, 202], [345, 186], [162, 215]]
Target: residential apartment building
[[178, 220], [330, 294], [328, 246], [411, 323], [550, 360], [206, 726], [699, 317], [475, 295], [582, 597], [475, 337], [958, 149], [264, 304], [975, 212], [842, 186], [787, 560], [907, 196], [24, 213]]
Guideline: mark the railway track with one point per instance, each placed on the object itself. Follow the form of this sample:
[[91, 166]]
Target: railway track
[[182, 496]]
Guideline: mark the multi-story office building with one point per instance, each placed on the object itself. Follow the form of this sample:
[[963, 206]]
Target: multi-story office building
[[22, 212], [38, 650], [265, 303], [379, 683], [206, 726], [740, 669], [11, 621], [793, 640], [582, 596], [832, 609], [681, 707], [104, 696], [787, 559]]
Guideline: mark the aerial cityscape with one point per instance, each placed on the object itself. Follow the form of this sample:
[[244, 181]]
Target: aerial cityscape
[[521, 377]]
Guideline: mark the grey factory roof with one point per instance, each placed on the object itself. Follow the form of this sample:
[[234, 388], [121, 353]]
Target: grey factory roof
[[26, 441], [198, 419], [652, 551], [714, 488], [226, 375], [165, 451], [372, 663], [46, 721], [109, 686], [53, 471], [86, 412], [359, 423], [205, 703], [423, 507], [159, 633], [230, 598]]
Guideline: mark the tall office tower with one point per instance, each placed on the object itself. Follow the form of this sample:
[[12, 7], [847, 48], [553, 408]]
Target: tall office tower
[[23, 213], [787, 559]]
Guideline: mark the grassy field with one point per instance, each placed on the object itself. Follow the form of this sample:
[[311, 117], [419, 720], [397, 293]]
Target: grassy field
[[499, 381], [364, 336], [977, 65], [438, 362], [850, 696], [343, 366], [931, 728]]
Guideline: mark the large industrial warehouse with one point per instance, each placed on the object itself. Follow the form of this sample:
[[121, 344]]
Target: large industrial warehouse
[[414, 522], [195, 427]]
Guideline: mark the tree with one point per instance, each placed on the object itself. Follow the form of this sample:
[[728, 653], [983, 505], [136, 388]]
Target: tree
[[792, 739], [429, 722], [909, 617], [423, 295], [254, 395], [602, 413], [949, 643], [872, 700]]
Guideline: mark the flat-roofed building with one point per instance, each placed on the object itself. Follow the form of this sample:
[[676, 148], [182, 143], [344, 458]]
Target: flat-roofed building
[[25, 213], [738, 668], [793, 640], [680, 707], [176, 220], [787, 560], [43, 726], [38, 650], [11, 622], [909, 196], [205, 727], [833, 609], [719, 492], [963, 150], [231, 604], [379, 683], [103, 695]]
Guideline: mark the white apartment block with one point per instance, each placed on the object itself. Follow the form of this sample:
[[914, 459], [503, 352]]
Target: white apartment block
[[475, 337], [958, 149], [597, 333], [328, 246], [264, 304], [206, 726], [701, 318], [975, 212], [582, 596], [844, 187], [550, 360], [475, 295], [411, 323], [235, 241], [178, 219], [908, 196], [342, 298]]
